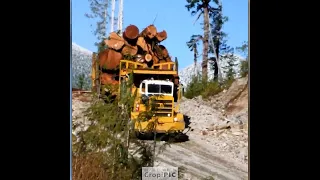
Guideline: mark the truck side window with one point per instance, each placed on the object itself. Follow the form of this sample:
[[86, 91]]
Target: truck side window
[[143, 88]]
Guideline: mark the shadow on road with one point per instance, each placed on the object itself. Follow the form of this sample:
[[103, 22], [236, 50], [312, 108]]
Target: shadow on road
[[186, 121], [172, 138]]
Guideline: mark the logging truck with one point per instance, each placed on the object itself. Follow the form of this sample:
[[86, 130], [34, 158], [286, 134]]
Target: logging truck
[[141, 58], [157, 86]]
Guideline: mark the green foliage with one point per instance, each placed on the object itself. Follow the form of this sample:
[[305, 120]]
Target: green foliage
[[81, 81], [99, 9], [195, 87], [206, 89], [243, 49], [244, 66], [193, 46], [102, 46], [229, 69], [128, 57]]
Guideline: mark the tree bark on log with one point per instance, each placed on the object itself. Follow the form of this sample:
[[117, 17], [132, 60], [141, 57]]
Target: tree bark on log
[[129, 50], [108, 79], [150, 49], [142, 43], [161, 52], [155, 59], [164, 51], [109, 59]]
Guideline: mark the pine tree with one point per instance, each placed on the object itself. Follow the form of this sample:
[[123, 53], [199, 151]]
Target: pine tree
[[244, 66], [229, 69], [218, 44], [99, 12], [203, 7], [81, 82], [193, 46]]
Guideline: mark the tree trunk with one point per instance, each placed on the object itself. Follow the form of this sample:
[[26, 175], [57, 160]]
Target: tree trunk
[[205, 44], [216, 67], [113, 6], [216, 71], [195, 59]]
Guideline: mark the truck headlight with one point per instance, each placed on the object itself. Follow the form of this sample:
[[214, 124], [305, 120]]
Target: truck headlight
[[168, 115], [175, 119]]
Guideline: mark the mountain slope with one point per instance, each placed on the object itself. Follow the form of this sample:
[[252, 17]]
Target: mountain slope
[[81, 64], [188, 72]]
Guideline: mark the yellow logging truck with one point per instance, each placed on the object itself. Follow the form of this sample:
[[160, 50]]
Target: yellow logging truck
[[159, 84]]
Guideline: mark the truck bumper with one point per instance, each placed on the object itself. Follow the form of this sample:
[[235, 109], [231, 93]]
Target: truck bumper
[[173, 127]]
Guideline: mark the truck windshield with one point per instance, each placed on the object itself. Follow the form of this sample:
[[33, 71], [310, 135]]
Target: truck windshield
[[159, 89]]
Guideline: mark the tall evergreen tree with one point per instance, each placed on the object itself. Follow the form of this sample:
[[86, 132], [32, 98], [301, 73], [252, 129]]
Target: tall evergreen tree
[[193, 46], [99, 12], [244, 66], [217, 38], [203, 7]]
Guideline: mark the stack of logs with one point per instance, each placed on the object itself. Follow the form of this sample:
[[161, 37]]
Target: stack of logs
[[140, 47]]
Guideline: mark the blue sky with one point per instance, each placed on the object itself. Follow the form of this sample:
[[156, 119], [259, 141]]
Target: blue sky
[[174, 18]]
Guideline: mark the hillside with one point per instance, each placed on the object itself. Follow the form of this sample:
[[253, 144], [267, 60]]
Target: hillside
[[81, 64]]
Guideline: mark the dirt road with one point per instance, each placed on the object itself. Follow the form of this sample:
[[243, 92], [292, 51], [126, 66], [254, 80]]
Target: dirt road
[[199, 162]]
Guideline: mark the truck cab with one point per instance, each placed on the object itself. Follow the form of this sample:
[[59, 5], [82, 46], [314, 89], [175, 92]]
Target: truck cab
[[159, 95]]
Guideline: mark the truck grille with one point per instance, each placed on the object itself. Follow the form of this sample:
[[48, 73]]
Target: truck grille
[[163, 108]]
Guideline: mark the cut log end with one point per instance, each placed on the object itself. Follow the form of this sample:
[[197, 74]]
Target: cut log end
[[161, 36], [148, 57], [150, 32], [131, 32]]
